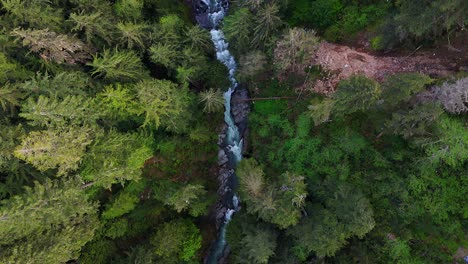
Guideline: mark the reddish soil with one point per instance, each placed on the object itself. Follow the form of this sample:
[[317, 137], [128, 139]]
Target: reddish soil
[[340, 62]]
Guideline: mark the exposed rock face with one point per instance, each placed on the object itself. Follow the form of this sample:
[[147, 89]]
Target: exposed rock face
[[201, 10], [240, 108]]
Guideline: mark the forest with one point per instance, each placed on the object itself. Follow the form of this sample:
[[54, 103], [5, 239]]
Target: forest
[[111, 113]]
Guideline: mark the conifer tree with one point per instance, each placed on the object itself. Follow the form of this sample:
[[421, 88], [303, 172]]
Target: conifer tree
[[52, 46], [118, 65], [48, 223]]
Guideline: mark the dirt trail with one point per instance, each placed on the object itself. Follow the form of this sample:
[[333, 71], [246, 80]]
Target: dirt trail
[[340, 62]]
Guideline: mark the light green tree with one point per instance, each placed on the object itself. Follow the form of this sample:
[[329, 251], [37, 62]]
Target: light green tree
[[295, 51], [130, 10], [52, 46], [36, 13], [53, 112], [116, 158], [177, 240], [118, 65], [238, 29], [60, 85], [48, 223], [55, 148], [357, 93], [212, 99], [260, 245], [131, 34], [267, 24], [93, 25], [164, 103]]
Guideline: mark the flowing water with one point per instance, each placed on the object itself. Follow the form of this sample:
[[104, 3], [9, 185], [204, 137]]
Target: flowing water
[[216, 12]]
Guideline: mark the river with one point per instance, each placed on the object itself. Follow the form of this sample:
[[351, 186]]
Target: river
[[213, 13]]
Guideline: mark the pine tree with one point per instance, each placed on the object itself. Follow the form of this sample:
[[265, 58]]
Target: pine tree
[[165, 54], [53, 112], [295, 50], [130, 10], [118, 65], [164, 104], [260, 245], [35, 13], [60, 85], [177, 240], [399, 88], [267, 23], [131, 34], [10, 97], [48, 223], [357, 93], [116, 158], [55, 148], [415, 122], [52, 46], [212, 99], [238, 29], [93, 25]]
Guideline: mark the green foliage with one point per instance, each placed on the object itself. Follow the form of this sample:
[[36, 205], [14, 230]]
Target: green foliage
[[116, 157], [94, 25], [276, 204], [52, 46], [295, 50], [238, 29], [130, 10], [212, 99], [118, 65], [399, 88], [52, 112], [122, 204], [356, 94], [60, 85], [132, 34], [178, 239], [164, 104], [55, 148], [118, 102], [414, 122], [35, 13], [260, 245], [267, 23], [116, 228], [50, 222], [451, 143]]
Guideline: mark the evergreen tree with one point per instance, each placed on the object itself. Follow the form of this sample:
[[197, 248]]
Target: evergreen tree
[[177, 240], [48, 223], [164, 104], [356, 94], [238, 29], [55, 148], [71, 110], [118, 65], [93, 25], [131, 34], [52, 46], [212, 99], [267, 23], [295, 50], [115, 158]]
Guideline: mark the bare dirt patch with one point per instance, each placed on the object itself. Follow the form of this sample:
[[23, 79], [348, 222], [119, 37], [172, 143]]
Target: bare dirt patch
[[340, 62]]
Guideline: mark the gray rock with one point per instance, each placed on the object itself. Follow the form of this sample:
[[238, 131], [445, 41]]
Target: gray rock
[[222, 157]]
